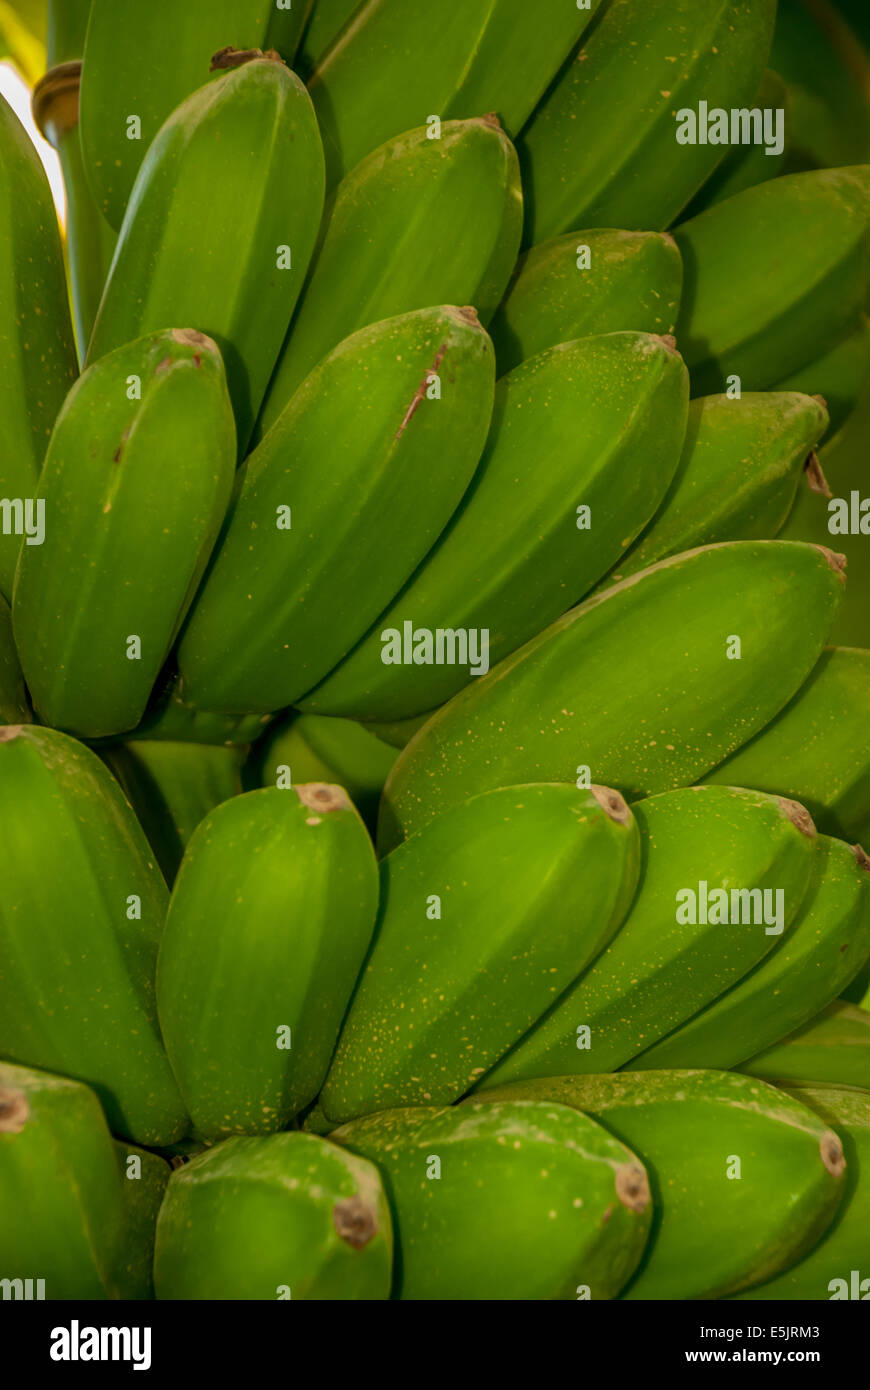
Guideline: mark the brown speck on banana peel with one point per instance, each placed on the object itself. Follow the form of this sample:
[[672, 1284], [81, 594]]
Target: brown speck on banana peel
[[9, 732], [491, 119], [822, 402], [799, 816], [237, 57], [836, 561], [14, 1111], [632, 1187], [420, 392], [322, 796], [816, 480], [862, 857], [612, 804], [355, 1221], [832, 1153]]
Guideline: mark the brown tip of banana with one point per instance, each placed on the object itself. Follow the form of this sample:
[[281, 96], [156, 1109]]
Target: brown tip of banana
[[798, 815], [14, 1111], [323, 797], [236, 57], [832, 1153], [612, 804], [492, 120], [816, 479], [470, 315], [821, 400], [355, 1221], [9, 732], [669, 341], [55, 101], [862, 858], [836, 561], [632, 1187]]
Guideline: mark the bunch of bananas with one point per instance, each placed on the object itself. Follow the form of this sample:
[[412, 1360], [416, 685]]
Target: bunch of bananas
[[435, 742]]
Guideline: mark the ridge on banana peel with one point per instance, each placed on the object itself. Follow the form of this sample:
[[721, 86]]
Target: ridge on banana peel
[[833, 1049], [744, 1178], [634, 688], [536, 1202], [519, 548], [247, 148], [461, 193], [686, 939], [486, 916]]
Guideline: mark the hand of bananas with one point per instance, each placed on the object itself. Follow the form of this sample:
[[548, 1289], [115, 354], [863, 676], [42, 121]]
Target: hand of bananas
[[441, 429]]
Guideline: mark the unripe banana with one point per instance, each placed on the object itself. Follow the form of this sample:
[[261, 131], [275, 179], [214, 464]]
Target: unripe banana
[[327, 20], [825, 67], [462, 193], [37, 350], [686, 938], [818, 749], [288, 1216], [395, 419], [839, 375], [748, 165], [833, 1049], [644, 63], [825, 948], [799, 248], [308, 748], [486, 917], [286, 26], [737, 477], [639, 687], [172, 787], [135, 74], [745, 1178], [399, 64], [516, 1201], [527, 541], [90, 241], [80, 920], [78, 1210], [14, 704], [247, 149], [399, 732], [595, 281], [136, 483], [269, 922], [171, 717], [833, 1269]]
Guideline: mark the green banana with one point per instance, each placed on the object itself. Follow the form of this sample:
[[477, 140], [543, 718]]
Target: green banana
[[748, 165], [744, 1178], [417, 222], [397, 733], [827, 73], [288, 1216], [268, 925], [737, 477], [80, 920], [833, 1268], [818, 749], [516, 1201], [78, 1211], [527, 541], [396, 66], [643, 65], [246, 148], [327, 20], [90, 241], [800, 250], [397, 415], [171, 717], [825, 948], [37, 349], [668, 960], [135, 74], [14, 704], [635, 686], [596, 281], [308, 748], [98, 602], [486, 917], [286, 27], [833, 1049], [172, 787], [839, 375]]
